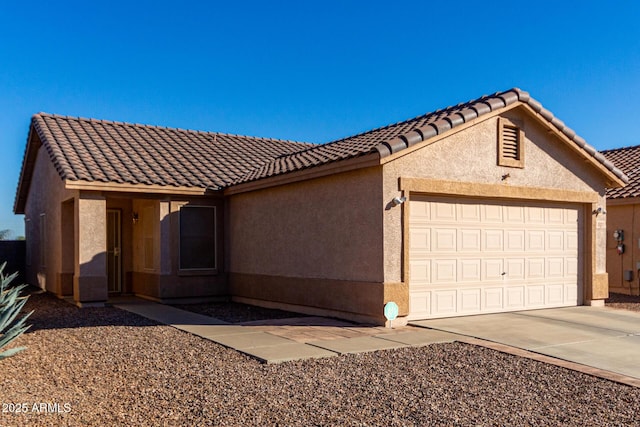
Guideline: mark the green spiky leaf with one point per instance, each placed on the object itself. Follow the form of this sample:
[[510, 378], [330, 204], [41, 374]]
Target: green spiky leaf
[[11, 305]]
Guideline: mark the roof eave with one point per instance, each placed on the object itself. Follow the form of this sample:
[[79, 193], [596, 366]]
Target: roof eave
[[360, 162], [137, 188], [26, 171], [615, 178]]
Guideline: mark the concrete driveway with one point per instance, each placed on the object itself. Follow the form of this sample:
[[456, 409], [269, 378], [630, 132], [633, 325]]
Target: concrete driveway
[[603, 338]]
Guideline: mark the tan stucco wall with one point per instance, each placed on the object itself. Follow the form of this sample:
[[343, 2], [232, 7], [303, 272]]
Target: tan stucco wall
[[624, 217], [311, 244], [46, 195], [90, 275], [470, 156], [162, 279], [326, 228]]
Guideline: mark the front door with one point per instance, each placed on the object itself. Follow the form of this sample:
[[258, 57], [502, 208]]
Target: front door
[[114, 263]]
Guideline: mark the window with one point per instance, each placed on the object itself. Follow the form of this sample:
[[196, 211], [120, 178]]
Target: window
[[510, 144], [197, 237]]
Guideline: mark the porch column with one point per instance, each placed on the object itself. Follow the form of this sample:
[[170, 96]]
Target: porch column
[[90, 272], [599, 289]]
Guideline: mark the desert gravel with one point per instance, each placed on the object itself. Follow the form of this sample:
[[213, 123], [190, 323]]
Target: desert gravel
[[114, 368], [234, 312], [624, 302]]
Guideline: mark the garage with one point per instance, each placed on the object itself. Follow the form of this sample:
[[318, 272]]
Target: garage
[[475, 256]]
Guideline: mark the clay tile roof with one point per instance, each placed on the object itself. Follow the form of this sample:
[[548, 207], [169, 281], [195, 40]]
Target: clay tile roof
[[99, 150], [626, 159], [399, 136], [106, 151]]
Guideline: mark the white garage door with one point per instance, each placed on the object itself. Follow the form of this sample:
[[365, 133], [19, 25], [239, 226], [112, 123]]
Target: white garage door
[[471, 257]]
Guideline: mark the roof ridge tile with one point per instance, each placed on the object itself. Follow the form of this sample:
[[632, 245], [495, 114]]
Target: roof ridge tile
[[429, 125], [124, 123], [224, 159]]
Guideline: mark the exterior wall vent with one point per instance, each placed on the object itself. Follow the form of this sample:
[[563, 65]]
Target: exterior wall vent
[[510, 144]]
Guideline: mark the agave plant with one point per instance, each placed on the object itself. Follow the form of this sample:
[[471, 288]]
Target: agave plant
[[10, 305]]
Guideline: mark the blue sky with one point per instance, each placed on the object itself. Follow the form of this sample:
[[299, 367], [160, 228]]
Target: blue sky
[[310, 70]]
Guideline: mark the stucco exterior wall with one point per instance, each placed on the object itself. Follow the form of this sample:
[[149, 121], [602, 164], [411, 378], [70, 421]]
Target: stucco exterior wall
[[625, 217], [155, 252], [470, 156], [90, 274], [314, 245], [325, 228], [46, 195]]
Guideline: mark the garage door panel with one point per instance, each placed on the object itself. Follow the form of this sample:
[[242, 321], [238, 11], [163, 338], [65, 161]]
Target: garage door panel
[[444, 239], [443, 212], [535, 268], [514, 297], [420, 271], [469, 300], [493, 299], [420, 238], [514, 240], [555, 216], [571, 267], [555, 294], [491, 214], [444, 302], [420, 303], [571, 294], [555, 267], [469, 240], [492, 269], [571, 240], [514, 214], [571, 216], [469, 257], [534, 215], [555, 240], [420, 212], [514, 269], [535, 296], [469, 270], [444, 271], [493, 241], [535, 240], [468, 213]]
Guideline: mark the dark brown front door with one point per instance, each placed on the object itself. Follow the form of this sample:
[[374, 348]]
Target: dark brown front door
[[114, 263]]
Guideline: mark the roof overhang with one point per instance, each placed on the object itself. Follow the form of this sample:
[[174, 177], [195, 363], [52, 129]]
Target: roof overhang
[[399, 146], [136, 188], [28, 163], [623, 201], [368, 160], [587, 152]]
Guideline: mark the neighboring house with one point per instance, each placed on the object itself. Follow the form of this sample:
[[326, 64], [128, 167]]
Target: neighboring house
[[483, 207], [623, 224]]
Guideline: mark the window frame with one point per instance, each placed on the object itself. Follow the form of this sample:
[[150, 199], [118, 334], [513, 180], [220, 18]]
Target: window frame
[[198, 270]]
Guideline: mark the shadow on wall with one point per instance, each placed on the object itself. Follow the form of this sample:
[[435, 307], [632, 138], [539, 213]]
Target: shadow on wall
[[13, 252]]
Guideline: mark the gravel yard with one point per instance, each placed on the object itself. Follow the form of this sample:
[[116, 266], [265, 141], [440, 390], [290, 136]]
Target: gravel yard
[[110, 367], [234, 312], [624, 302]]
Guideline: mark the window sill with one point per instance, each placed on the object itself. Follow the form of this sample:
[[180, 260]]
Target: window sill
[[199, 272]]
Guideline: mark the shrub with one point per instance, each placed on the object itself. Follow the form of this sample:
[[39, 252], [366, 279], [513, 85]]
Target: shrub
[[10, 305]]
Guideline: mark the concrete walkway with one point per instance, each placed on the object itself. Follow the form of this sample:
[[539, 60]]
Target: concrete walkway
[[282, 340], [597, 341], [603, 338]]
